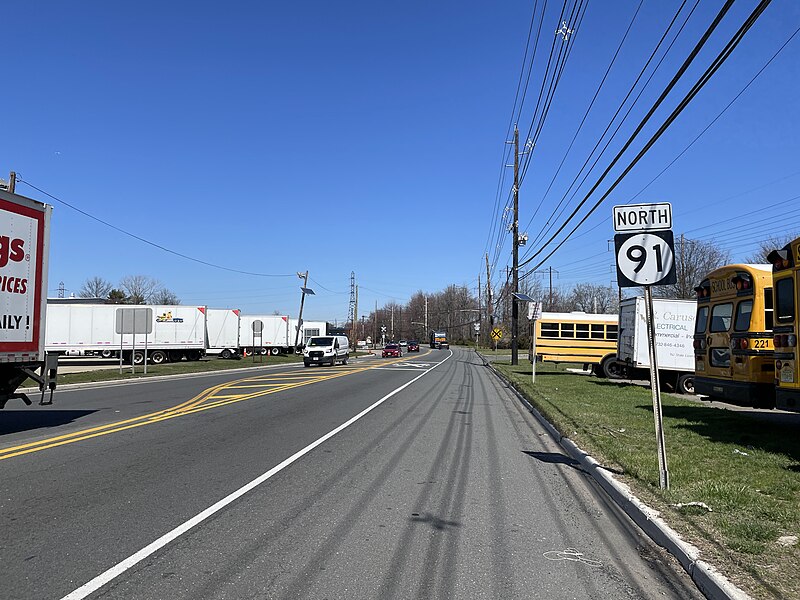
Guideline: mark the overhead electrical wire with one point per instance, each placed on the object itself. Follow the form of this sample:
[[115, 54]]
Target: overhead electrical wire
[[146, 241], [699, 84]]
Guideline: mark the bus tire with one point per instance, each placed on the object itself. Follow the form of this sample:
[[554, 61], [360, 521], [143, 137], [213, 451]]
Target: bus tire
[[686, 384], [611, 368]]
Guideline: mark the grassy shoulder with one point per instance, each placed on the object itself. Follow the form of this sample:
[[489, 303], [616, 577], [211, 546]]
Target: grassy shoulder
[[746, 470]]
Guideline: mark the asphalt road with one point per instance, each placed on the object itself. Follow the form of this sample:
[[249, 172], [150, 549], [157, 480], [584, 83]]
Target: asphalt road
[[419, 478]]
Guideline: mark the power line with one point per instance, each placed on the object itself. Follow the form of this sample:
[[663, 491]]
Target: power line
[[146, 241]]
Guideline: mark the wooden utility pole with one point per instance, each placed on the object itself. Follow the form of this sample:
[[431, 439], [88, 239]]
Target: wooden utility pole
[[515, 273], [12, 182], [355, 316], [300, 316], [489, 305]]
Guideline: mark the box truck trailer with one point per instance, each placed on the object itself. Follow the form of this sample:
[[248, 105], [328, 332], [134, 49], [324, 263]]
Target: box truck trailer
[[24, 250], [264, 334], [222, 332], [165, 333], [310, 329], [673, 321]]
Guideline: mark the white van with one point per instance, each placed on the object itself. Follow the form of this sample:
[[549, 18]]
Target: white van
[[326, 349]]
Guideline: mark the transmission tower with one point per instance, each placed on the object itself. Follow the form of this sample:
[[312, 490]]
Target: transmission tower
[[61, 289], [351, 315]]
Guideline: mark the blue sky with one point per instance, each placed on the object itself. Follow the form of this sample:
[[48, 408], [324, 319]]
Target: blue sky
[[277, 137]]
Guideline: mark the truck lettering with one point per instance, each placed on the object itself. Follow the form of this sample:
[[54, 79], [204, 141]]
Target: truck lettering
[[11, 250], [10, 321], [13, 285]]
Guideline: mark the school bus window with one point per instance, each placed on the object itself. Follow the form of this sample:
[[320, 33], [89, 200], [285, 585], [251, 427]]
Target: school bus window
[[744, 310], [721, 317], [582, 330], [768, 323], [550, 330], [701, 320], [598, 332], [568, 330], [784, 300], [611, 332]]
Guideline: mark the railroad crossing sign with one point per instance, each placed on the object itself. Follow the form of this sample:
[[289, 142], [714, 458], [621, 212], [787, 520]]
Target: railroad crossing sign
[[496, 334], [645, 258]]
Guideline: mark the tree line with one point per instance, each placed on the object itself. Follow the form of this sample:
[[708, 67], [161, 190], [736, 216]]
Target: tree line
[[457, 309], [131, 289]]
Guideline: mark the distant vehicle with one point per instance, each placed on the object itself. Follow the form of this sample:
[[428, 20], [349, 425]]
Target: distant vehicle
[[403, 344], [328, 349], [578, 337], [413, 346], [439, 339], [392, 350]]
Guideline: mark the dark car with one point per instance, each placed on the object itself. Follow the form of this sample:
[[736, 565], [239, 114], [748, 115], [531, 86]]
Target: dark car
[[391, 350], [413, 346]]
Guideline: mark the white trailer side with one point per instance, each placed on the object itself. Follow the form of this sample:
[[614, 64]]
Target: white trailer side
[[222, 332], [177, 331], [310, 329], [674, 329], [274, 336]]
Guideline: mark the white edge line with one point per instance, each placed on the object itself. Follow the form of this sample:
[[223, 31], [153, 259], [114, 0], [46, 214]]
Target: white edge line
[[118, 569]]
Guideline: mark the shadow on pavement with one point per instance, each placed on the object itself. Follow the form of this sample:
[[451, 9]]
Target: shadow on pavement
[[14, 421], [554, 458]]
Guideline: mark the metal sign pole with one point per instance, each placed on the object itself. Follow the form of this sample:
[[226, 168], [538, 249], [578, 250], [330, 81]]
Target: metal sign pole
[[655, 387], [133, 344], [145, 352], [121, 336]]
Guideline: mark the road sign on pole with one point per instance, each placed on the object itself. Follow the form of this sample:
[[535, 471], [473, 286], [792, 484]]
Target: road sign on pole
[[646, 257], [496, 334]]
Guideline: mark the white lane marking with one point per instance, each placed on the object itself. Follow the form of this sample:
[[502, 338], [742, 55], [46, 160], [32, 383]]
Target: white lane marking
[[118, 569]]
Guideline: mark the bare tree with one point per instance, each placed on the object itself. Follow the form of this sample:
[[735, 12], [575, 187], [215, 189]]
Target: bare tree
[[95, 287], [164, 296], [773, 242], [694, 259], [594, 298], [139, 288]]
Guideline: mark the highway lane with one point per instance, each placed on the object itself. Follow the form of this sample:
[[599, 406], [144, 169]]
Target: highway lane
[[446, 489]]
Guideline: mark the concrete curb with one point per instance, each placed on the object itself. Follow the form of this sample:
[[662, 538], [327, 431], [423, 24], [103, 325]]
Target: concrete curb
[[709, 581]]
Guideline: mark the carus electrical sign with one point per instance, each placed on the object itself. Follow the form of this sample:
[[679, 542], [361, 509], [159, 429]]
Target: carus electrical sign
[[22, 240]]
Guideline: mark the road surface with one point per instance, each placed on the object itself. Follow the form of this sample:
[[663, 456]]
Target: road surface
[[383, 478]]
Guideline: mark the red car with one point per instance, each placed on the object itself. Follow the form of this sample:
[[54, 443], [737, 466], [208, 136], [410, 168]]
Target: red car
[[413, 346], [391, 350]]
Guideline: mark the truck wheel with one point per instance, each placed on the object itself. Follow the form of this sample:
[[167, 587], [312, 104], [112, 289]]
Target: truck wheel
[[106, 353], [611, 368], [158, 357], [175, 356], [686, 384], [138, 357], [226, 354], [274, 351]]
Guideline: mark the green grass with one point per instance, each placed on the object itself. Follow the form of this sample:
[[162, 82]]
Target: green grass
[[746, 470]]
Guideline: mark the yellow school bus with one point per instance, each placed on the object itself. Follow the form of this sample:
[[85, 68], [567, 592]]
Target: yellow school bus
[[786, 283], [578, 337], [733, 348]]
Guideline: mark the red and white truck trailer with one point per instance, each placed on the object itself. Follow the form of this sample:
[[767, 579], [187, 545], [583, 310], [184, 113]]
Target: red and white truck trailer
[[24, 251], [222, 332]]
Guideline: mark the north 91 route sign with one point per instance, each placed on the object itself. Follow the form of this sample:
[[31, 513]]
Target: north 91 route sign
[[645, 258]]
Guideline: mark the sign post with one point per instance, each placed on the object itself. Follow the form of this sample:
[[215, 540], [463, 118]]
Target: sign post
[[646, 257]]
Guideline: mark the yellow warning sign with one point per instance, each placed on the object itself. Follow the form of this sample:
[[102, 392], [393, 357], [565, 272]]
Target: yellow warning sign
[[496, 334]]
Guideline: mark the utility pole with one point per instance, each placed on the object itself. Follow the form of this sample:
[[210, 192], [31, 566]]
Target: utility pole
[[303, 276], [515, 273], [480, 312], [355, 315], [392, 330], [12, 182], [426, 315], [489, 305]]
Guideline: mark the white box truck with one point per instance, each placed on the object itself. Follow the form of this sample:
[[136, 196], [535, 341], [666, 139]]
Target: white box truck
[[674, 329], [264, 334], [175, 332], [222, 332], [24, 250]]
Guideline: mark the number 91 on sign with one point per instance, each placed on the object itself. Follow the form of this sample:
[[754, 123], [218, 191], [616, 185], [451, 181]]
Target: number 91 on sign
[[645, 258]]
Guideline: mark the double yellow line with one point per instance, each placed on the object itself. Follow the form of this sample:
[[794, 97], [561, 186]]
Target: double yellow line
[[205, 400]]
